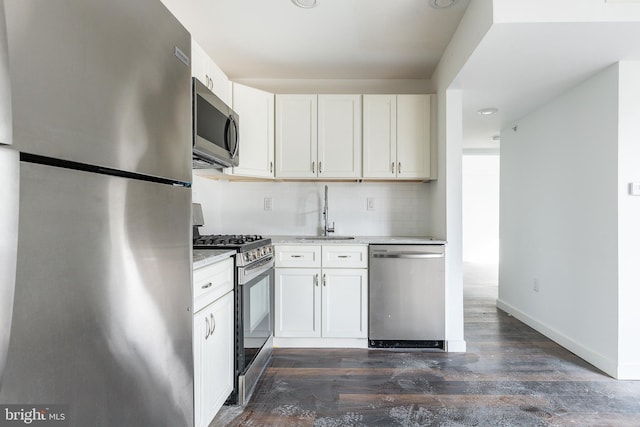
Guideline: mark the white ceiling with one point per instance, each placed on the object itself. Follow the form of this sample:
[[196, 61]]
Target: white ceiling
[[339, 39], [519, 67], [516, 67]]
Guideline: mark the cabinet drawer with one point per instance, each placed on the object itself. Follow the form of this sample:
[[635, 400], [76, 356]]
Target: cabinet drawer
[[305, 256], [211, 282], [344, 256]]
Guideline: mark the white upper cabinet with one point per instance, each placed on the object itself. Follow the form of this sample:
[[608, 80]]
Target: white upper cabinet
[[379, 136], [318, 136], [397, 136], [256, 111], [339, 136], [296, 136], [205, 70], [413, 149]]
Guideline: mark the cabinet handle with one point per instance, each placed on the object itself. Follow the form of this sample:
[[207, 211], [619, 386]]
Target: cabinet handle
[[296, 256], [270, 167], [399, 167], [344, 256], [320, 167], [213, 323], [313, 167], [324, 280], [393, 167], [207, 328], [208, 285], [315, 280]]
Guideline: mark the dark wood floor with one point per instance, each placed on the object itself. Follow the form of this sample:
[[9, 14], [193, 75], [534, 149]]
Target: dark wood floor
[[509, 376]]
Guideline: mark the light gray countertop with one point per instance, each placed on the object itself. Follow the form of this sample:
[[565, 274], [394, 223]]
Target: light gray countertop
[[358, 240], [204, 257]]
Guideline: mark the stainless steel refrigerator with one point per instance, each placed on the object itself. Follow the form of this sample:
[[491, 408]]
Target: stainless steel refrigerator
[[95, 211]]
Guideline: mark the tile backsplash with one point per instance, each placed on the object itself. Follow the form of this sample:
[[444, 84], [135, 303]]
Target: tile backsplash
[[230, 207]]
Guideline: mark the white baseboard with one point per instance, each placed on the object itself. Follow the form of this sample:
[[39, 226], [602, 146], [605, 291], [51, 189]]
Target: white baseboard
[[284, 342], [629, 372], [455, 346], [601, 362]]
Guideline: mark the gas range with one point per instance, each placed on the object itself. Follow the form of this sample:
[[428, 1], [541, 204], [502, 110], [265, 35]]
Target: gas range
[[250, 247]]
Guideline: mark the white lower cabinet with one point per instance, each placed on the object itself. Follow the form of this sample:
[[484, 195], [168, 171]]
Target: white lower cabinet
[[312, 302], [297, 302], [213, 358], [344, 303], [213, 342]]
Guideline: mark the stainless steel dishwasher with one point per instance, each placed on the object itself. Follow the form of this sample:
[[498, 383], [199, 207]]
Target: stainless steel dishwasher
[[406, 296]]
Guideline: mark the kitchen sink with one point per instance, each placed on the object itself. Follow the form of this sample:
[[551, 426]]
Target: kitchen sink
[[324, 238]]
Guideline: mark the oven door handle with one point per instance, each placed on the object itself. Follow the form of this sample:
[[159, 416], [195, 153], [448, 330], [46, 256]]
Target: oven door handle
[[252, 271], [259, 264]]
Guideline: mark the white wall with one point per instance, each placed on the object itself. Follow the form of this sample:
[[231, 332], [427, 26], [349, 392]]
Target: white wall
[[629, 222], [445, 194], [559, 218], [230, 207]]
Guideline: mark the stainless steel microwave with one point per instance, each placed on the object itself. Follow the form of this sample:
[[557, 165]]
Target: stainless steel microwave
[[215, 130]]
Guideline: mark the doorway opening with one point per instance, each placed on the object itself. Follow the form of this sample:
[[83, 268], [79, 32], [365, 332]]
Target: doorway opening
[[480, 222]]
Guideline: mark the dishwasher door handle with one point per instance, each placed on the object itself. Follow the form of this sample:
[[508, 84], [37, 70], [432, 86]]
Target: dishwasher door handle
[[408, 255]]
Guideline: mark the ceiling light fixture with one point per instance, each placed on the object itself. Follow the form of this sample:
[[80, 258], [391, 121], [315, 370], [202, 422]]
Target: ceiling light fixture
[[441, 4], [487, 111], [306, 4]]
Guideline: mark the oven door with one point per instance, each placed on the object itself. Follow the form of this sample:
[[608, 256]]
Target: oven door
[[256, 285]]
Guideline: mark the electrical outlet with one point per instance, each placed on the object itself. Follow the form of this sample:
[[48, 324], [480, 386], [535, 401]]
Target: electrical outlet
[[268, 204], [536, 285], [371, 204]]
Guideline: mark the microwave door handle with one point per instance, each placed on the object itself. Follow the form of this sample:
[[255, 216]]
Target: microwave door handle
[[232, 123]]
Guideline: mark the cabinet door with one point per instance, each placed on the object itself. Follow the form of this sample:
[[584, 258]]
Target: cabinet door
[[414, 132], [339, 136], [379, 136], [256, 110], [213, 358], [199, 61], [297, 302], [205, 70], [220, 83], [296, 136], [344, 303]]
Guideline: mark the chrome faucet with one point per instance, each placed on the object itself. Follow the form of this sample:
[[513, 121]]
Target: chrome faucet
[[325, 213]]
